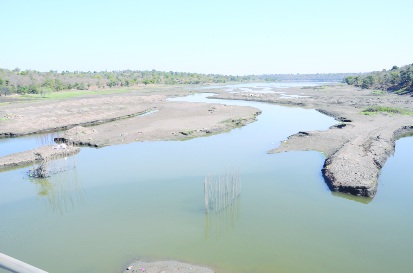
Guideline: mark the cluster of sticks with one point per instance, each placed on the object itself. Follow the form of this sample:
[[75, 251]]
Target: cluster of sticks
[[49, 163], [221, 192]]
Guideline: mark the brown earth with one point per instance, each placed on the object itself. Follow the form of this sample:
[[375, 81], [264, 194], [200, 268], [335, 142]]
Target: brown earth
[[118, 118], [359, 145]]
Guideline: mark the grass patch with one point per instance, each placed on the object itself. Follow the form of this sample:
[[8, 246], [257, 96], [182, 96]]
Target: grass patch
[[378, 92], [76, 93], [383, 109], [402, 92]]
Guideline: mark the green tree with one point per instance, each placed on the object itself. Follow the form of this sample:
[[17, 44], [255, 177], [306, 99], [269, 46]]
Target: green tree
[[368, 82], [349, 80], [43, 91]]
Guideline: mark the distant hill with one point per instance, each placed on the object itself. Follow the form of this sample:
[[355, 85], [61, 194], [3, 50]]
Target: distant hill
[[398, 80], [33, 82]]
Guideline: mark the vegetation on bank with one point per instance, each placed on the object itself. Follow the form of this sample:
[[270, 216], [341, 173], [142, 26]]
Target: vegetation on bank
[[43, 83], [384, 109], [398, 80]]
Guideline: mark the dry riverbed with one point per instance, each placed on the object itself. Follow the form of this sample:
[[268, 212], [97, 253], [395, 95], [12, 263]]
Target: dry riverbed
[[105, 120], [355, 149], [359, 145]]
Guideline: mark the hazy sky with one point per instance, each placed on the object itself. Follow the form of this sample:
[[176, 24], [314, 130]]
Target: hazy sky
[[227, 37]]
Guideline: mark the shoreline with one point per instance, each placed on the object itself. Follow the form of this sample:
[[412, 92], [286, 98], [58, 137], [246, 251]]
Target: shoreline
[[26, 158], [358, 146], [355, 149], [118, 119], [165, 267]]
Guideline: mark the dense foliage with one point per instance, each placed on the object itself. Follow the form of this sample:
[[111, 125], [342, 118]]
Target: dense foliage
[[35, 82], [397, 79]]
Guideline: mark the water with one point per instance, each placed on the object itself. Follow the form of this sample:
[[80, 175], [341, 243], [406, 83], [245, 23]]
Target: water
[[266, 87], [146, 200], [20, 144]]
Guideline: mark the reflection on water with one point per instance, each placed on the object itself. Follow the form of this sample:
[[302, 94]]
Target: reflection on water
[[222, 191], [219, 223], [360, 199], [221, 202], [62, 190]]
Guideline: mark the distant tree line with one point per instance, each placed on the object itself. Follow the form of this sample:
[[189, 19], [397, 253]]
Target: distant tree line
[[397, 79], [35, 82], [319, 77]]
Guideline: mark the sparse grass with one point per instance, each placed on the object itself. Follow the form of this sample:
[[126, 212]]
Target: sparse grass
[[402, 92], [76, 93], [384, 109], [378, 92], [320, 87]]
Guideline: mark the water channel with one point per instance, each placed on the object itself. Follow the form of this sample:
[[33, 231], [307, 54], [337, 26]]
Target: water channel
[[145, 200]]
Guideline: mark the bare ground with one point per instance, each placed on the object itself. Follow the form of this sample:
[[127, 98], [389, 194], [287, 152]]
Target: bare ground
[[121, 118], [359, 145], [32, 156]]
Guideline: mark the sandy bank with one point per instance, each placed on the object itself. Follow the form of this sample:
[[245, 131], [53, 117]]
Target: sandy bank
[[51, 116], [118, 119], [171, 121], [165, 267], [358, 146], [32, 156]]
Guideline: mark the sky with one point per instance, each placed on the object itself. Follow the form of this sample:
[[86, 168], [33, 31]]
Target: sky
[[233, 37]]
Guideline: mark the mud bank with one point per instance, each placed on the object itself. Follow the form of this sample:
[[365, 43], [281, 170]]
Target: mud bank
[[32, 156], [118, 119], [165, 267], [172, 121], [357, 147]]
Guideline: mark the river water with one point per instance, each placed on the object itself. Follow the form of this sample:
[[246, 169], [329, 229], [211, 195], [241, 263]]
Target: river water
[[145, 200]]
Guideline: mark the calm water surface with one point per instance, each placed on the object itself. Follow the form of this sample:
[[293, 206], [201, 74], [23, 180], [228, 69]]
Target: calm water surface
[[145, 200]]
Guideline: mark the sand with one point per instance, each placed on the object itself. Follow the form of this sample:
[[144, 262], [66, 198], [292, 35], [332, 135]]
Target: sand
[[105, 120]]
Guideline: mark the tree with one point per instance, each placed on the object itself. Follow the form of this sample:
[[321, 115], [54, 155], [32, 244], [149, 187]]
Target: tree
[[349, 80], [6, 90], [45, 91], [368, 82]]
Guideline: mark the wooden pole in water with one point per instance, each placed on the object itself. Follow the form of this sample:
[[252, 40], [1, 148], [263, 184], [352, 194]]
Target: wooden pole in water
[[16, 266]]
